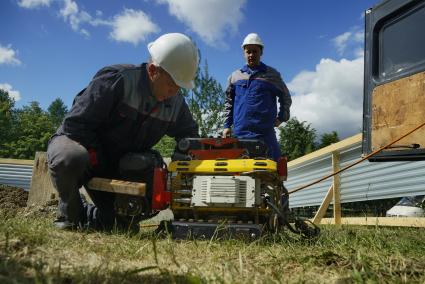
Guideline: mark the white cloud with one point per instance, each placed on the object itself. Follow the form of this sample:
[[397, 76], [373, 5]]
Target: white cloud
[[12, 93], [30, 4], [8, 56], [331, 97], [70, 8], [85, 32], [359, 52], [129, 26], [341, 41], [358, 36], [210, 19], [132, 26], [348, 40], [71, 13]]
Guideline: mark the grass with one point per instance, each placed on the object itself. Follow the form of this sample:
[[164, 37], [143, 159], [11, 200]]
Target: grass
[[33, 251]]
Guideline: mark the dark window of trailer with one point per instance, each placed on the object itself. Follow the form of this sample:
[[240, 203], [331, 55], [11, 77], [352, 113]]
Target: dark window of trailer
[[402, 44]]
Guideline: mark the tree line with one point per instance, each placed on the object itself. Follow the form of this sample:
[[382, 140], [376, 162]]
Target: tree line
[[23, 131], [26, 130]]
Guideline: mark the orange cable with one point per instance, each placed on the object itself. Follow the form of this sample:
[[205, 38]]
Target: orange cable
[[357, 162]]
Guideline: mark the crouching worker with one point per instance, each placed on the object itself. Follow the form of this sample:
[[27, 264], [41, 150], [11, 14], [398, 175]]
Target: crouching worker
[[125, 109]]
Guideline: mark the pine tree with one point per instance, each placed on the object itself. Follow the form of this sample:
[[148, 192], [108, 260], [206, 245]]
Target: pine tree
[[206, 102], [57, 111], [6, 122]]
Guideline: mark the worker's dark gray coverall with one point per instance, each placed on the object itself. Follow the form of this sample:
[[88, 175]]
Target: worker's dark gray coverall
[[114, 115]]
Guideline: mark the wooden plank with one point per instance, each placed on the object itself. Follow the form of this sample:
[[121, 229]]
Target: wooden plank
[[398, 107], [336, 184], [379, 221], [17, 162], [327, 150], [41, 189], [324, 206], [118, 186]]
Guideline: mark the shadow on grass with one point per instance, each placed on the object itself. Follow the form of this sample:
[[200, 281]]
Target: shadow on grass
[[14, 270]]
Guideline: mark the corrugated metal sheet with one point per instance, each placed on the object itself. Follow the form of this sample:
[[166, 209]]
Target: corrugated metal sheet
[[18, 175], [305, 173], [365, 181], [19, 172]]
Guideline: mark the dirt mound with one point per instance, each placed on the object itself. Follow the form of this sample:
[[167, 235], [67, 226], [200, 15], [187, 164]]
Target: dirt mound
[[13, 200], [12, 197]]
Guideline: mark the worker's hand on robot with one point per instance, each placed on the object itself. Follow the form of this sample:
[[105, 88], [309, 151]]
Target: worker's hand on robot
[[227, 132]]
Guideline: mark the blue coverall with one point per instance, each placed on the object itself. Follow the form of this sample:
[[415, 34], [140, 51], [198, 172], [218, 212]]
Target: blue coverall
[[251, 104]]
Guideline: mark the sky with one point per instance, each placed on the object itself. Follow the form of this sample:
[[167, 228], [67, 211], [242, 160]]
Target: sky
[[52, 48]]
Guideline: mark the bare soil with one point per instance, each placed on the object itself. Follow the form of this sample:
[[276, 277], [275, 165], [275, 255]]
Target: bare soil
[[13, 200], [12, 197]]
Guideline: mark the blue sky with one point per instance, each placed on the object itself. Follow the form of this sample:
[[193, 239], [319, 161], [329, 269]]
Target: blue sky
[[52, 48]]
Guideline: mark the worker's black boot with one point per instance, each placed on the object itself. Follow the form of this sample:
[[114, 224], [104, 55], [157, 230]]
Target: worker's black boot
[[97, 220], [63, 224], [127, 225]]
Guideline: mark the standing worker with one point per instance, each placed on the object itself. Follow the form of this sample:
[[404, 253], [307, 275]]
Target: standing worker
[[250, 103], [125, 109]]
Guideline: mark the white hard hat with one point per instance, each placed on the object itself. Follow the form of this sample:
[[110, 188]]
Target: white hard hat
[[177, 55], [252, 38]]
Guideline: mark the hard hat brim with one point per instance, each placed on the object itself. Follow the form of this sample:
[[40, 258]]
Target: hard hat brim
[[185, 85], [243, 45]]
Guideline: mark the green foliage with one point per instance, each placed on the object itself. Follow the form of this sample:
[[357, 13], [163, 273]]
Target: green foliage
[[328, 138], [206, 101], [57, 111], [297, 138], [27, 130], [6, 117], [165, 146], [30, 132]]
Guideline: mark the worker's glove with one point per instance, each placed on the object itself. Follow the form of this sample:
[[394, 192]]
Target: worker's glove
[[178, 156]]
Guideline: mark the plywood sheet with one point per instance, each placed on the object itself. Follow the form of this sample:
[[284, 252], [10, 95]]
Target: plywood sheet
[[398, 107]]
